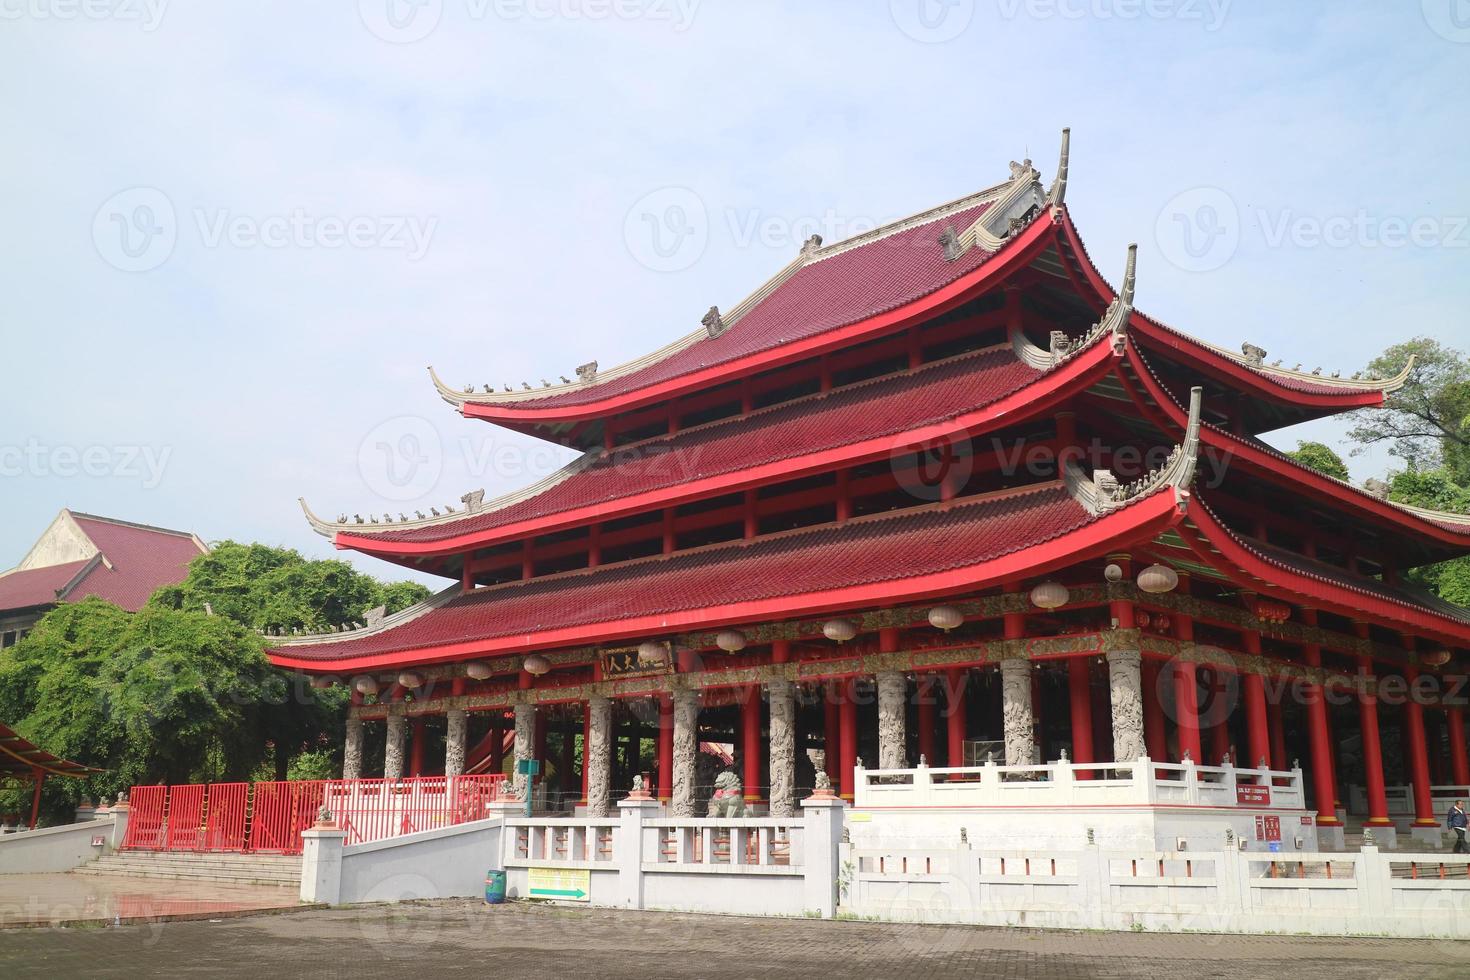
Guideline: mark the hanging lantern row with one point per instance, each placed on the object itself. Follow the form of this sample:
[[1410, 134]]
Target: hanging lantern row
[[1271, 611], [731, 641], [1156, 621], [839, 630], [536, 665], [1050, 595], [946, 618], [1157, 579]]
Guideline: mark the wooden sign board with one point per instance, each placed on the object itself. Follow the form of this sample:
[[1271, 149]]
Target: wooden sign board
[[624, 662]]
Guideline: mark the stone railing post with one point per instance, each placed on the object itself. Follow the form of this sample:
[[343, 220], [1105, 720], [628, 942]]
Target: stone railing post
[[321, 863], [121, 811], [628, 849], [822, 827], [1143, 779]]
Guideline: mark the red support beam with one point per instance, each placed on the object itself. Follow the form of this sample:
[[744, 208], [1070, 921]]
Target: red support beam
[[416, 750], [750, 742], [1418, 748], [665, 747], [847, 720], [1459, 763], [1079, 692], [1253, 692], [926, 697], [1186, 686], [1372, 745], [1324, 789], [831, 732], [1155, 735], [39, 775]]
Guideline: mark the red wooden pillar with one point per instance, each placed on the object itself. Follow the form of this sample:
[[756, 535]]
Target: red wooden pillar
[[1275, 720], [1186, 687], [1253, 690], [750, 742], [831, 732], [926, 718], [1372, 746], [1459, 764], [1079, 692], [1418, 748], [954, 719], [39, 775], [1324, 788], [665, 747], [1155, 737], [847, 720], [416, 750]]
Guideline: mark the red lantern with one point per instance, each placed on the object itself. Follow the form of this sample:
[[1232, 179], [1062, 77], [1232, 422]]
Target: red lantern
[[1161, 623], [1142, 619]]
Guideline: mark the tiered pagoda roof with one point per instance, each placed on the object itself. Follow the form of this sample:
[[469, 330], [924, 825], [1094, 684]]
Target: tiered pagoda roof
[[981, 275]]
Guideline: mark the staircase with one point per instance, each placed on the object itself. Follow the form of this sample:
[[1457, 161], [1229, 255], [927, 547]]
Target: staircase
[[219, 868]]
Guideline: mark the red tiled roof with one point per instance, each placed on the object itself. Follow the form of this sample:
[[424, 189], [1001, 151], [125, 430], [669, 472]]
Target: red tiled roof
[[847, 287], [1358, 583], [814, 561], [143, 560], [863, 411], [24, 588]]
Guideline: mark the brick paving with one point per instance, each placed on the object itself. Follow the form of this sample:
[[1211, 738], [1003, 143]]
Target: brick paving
[[465, 938]]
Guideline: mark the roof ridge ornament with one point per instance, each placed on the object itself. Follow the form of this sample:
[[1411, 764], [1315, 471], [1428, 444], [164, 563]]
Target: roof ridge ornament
[[1114, 321], [1057, 196], [587, 372], [811, 246], [949, 240], [714, 323], [1103, 493]]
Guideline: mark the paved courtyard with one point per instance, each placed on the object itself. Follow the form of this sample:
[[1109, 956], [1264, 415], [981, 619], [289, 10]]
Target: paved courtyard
[[450, 939], [69, 898]]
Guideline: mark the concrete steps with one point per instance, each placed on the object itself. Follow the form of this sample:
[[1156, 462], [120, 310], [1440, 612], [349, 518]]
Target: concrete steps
[[216, 868]]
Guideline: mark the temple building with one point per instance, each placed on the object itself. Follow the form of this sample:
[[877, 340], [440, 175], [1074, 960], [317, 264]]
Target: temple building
[[81, 555], [939, 491]]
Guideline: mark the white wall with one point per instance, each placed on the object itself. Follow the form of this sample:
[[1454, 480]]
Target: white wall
[[449, 862], [55, 849]]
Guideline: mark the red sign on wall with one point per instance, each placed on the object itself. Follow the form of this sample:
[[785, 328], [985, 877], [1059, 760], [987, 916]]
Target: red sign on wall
[[1268, 828], [1253, 795]]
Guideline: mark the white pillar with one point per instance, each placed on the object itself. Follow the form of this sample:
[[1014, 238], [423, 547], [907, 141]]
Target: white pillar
[[599, 758], [321, 864], [352, 750], [1016, 718], [823, 820], [454, 738], [628, 844], [783, 748], [892, 718], [686, 748], [525, 742], [1125, 679], [393, 751]]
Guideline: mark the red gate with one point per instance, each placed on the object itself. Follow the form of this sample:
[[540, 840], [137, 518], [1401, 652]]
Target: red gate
[[147, 811], [271, 816], [185, 817]]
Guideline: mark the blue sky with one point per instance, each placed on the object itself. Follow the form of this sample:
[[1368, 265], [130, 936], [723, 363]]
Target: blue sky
[[238, 232]]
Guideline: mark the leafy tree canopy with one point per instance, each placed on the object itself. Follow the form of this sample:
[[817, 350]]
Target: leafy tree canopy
[[1320, 457], [1427, 421], [277, 589]]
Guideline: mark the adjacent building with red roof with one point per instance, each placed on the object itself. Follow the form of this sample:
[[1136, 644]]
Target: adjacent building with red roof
[[83, 555], [938, 486]]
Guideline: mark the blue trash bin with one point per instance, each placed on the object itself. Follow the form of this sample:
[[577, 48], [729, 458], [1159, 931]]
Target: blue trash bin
[[494, 887]]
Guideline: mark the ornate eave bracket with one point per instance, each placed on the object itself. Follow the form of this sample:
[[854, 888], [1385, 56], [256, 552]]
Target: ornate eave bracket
[[1113, 324], [1057, 196], [1102, 493]]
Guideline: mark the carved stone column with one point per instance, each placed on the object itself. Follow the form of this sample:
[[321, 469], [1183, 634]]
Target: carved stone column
[[783, 748], [599, 757], [525, 742], [352, 750], [1125, 679], [686, 747], [454, 737], [892, 714], [1016, 718], [393, 752]]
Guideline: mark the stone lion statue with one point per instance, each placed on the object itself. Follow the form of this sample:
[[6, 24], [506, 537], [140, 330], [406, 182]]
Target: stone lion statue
[[728, 800]]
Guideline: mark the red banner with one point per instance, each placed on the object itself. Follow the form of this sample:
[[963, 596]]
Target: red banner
[[1253, 795]]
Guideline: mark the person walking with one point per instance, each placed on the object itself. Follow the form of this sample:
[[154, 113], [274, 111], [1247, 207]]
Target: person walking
[[1458, 821]]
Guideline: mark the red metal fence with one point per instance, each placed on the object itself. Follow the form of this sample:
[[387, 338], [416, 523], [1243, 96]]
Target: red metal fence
[[269, 817]]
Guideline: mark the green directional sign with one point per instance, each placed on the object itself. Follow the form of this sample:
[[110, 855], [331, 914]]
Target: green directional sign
[[562, 884]]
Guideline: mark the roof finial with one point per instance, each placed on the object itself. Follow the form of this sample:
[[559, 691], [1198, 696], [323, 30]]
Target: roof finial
[[714, 323], [1130, 274], [1058, 194]]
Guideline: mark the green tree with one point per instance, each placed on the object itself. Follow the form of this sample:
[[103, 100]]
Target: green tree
[[1320, 457], [277, 589], [1436, 489], [1427, 421]]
